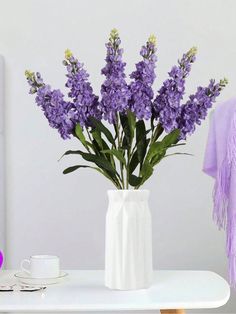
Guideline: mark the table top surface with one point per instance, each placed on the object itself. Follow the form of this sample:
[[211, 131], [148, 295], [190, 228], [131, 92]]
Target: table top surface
[[84, 290]]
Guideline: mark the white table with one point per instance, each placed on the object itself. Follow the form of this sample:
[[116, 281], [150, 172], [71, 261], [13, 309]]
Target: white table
[[85, 291]]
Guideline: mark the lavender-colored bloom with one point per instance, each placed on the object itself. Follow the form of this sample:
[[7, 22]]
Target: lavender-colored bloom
[[64, 115], [60, 114], [85, 103], [166, 105], [117, 96], [197, 106], [114, 91], [141, 91]]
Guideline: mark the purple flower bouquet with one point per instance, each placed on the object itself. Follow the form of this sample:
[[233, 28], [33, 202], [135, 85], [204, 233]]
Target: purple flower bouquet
[[145, 125]]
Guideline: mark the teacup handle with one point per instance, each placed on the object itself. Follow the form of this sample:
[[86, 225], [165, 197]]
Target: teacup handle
[[25, 261]]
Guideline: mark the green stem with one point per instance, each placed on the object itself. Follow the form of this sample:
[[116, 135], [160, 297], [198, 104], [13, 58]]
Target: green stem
[[91, 141], [119, 140], [129, 155], [127, 168]]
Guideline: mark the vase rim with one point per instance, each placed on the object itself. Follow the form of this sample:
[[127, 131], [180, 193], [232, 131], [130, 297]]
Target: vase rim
[[127, 190], [128, 195]]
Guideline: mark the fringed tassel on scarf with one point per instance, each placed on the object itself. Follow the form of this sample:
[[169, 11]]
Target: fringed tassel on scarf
[[220, 194], [223, 214], [231, 249]]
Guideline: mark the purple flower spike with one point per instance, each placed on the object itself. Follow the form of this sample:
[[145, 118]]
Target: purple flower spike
[[167, 103], [197, 106], [115, 92], [60, 114], [85, 103], [64, 115], [141, 91], [117, 96]]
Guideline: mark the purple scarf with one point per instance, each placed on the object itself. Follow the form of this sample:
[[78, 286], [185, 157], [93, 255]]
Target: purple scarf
[[220, 163]]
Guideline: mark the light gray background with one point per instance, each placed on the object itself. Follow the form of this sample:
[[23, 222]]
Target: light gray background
[[51, 213]]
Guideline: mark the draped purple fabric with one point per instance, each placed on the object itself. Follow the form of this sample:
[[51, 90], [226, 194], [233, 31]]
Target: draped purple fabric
[[220, 163]]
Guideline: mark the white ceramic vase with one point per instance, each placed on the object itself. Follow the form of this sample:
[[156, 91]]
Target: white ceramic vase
[[128, 257]]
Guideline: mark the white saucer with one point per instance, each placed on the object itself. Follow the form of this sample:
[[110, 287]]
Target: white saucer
[[26, 278]]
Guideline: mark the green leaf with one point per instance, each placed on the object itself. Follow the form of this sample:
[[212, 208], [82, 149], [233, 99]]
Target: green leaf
[[131, 123], [100, 144], [141, 140], [80, 135], [73, 152], [156, 148], [146, 171], [125, 144], [171, 138], [104, 164], [73, 168], [111, 178], [99, 161], [134, 180], [133, 162], [157, 158], [96, 147], [128, 125], [178, 154], [157, 133], [90, 145], [97, 137], [117, 153], [156, 152], [101, 127], [107, 155], [125, 126], [104, 145]]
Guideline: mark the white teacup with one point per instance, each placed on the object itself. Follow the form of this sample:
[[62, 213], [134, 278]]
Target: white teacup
[[42, 266]]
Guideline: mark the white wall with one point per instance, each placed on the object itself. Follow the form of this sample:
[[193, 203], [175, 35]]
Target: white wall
[[49, 212]]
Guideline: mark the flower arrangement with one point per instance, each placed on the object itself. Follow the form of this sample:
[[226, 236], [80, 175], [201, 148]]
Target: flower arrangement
[[145, 125]]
